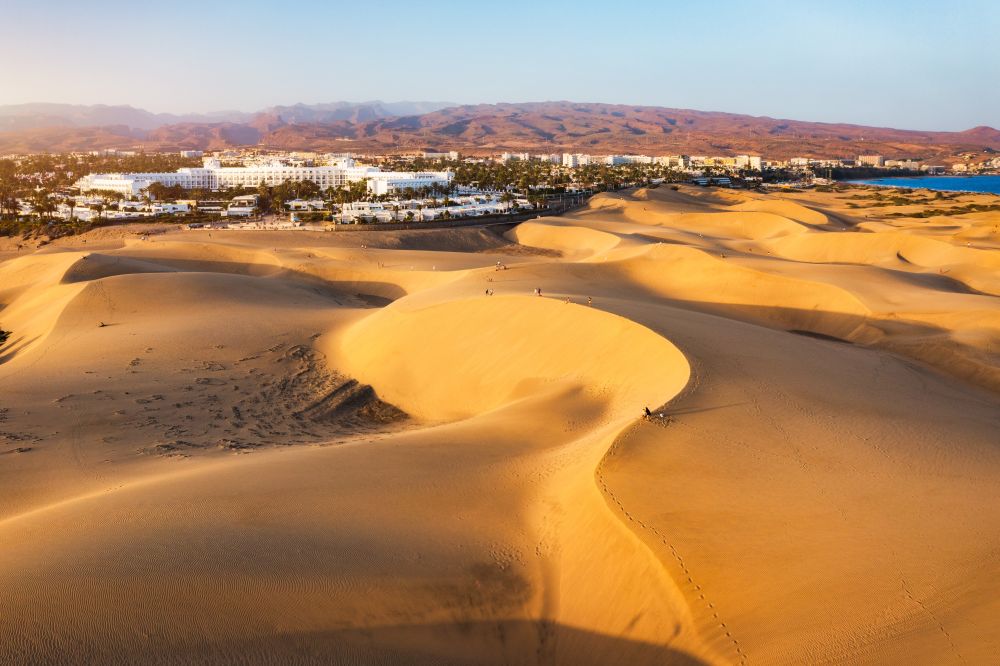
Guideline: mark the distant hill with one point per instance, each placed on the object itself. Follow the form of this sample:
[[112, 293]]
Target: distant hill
[[21, 117], [485, 128], [350, 111]]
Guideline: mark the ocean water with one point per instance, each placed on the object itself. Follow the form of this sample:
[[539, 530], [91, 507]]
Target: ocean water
[[944, 183]]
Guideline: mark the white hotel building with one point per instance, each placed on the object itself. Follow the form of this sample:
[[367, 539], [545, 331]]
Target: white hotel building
[[214, 176]]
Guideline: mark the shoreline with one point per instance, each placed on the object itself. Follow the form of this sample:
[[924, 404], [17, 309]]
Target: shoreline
[[875, 182]]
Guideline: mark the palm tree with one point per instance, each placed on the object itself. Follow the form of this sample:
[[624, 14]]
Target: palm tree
[[9, 204], [8, 189], [41, 204]]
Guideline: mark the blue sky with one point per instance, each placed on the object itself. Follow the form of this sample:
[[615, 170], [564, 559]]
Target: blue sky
[[914, 64]]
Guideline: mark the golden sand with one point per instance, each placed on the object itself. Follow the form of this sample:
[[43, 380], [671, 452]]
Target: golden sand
[[268, 447]]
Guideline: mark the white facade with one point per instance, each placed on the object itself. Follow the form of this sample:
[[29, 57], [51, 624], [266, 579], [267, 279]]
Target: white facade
[[423, 210], [169, 208], [214, 176], [749, 162], [871, 160], [575, 160], [450, 155], [674, 161], [615, 160], [389, 182]]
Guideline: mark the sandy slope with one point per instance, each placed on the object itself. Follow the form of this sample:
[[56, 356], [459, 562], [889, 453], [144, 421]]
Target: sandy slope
[[305, 448]]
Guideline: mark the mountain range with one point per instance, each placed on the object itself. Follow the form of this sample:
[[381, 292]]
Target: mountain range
[[474, 129], [19, 117]]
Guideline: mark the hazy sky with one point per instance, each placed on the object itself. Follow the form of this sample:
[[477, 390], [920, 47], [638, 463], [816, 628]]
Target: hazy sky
[[912, 64]]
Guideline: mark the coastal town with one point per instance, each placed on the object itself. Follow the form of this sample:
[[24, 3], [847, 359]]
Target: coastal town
[[256, 189]]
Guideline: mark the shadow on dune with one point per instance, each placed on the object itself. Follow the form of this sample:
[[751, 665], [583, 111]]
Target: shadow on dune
[[458, 239], [931, 345], [656, 240], [933, 281], [484, 643], [11, 348], [699, 410], [97, 266]]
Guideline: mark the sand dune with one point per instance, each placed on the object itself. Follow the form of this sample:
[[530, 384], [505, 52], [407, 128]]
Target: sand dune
[[312, 448]]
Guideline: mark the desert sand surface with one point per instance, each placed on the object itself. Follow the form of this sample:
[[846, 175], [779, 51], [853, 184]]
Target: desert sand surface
[[296, 447]]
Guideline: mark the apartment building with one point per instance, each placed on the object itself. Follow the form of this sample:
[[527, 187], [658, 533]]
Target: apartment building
[[214, 176], [871, 160]]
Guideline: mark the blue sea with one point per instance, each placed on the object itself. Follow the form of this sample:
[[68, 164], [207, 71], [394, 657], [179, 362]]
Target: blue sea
[[944, 183]]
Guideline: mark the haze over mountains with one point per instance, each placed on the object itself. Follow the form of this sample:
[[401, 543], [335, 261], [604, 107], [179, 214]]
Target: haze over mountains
[[43, 115], [484, 128]]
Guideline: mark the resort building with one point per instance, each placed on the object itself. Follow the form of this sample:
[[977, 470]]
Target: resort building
[[214, 176], [450, 155], [674, 161], [573, 160], [871, 160], [749, 162], [615, 160]]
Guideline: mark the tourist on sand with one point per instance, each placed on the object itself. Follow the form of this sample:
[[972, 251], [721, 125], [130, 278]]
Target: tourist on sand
[[590, 301], [648, 414]]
